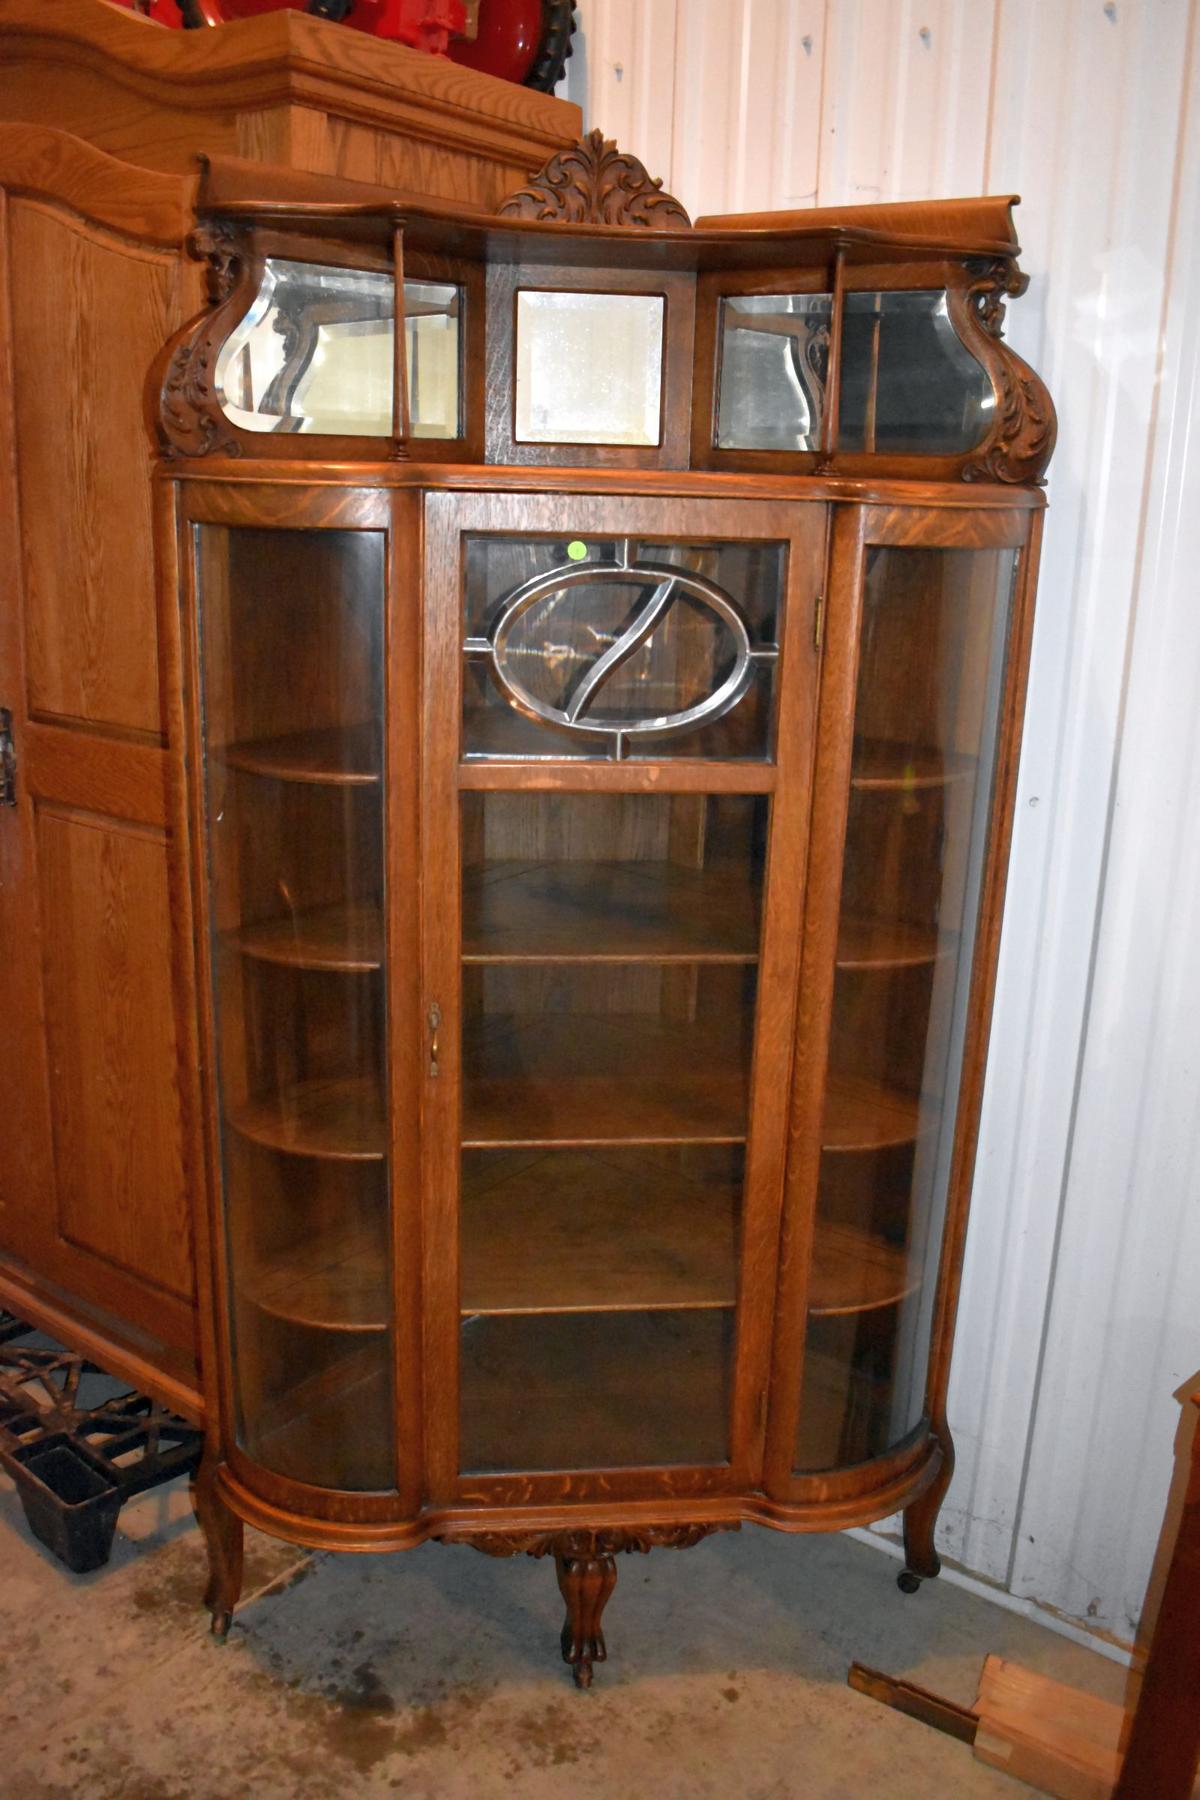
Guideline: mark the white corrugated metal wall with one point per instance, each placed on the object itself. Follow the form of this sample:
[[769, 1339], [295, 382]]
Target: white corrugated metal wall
[[1079, 1316]]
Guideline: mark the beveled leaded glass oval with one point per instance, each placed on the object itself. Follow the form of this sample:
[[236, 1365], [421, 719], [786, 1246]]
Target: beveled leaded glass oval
[[621, 646]]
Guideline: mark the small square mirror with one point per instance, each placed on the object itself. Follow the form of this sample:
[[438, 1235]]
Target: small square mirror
[[589, 368]]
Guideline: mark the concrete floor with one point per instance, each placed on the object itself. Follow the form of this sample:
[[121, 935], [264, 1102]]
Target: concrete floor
[[436, 1673]]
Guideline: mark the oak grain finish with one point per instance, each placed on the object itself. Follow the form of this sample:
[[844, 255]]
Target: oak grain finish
[[667, 1095], [288, 90]]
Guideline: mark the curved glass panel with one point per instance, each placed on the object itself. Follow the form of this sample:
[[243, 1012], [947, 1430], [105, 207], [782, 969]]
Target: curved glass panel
[[291, 634], [930, 675], [315, 352], [909, 385], [774, 366]]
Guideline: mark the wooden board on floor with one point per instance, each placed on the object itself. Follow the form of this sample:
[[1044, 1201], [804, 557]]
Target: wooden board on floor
[[1055, 1737]]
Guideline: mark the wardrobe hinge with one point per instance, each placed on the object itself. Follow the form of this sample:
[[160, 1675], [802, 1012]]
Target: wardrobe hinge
[[8, 760], [435, 1025], [818, 620]]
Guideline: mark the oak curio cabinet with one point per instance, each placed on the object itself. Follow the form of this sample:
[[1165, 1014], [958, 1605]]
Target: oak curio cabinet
[[602, 647]]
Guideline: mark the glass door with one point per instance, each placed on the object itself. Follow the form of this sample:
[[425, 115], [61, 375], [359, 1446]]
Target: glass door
[[906, 813], [619, 818], [292, 634]]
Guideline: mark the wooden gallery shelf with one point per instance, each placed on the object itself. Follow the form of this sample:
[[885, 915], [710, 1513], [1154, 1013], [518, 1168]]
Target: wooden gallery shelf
[[349, 756], [879, 763], [342, 1119], [578, 1242], [609, 912], [347, 937], [574, 1079]]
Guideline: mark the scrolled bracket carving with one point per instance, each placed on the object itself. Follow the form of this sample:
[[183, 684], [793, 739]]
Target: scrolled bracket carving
[[1022, 439], [187, 411], [594, 183], [600, 1540]]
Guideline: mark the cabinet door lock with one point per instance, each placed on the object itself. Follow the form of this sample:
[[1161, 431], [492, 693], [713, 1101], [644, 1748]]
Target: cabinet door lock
[[8, 760]]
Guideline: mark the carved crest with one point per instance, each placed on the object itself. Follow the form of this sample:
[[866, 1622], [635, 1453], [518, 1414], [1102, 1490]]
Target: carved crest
[[1022, 440], [605, 1540], [190, 419], [594, 183]]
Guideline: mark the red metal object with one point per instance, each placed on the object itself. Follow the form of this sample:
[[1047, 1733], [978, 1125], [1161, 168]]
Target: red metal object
[[425, 24], [510, 35]]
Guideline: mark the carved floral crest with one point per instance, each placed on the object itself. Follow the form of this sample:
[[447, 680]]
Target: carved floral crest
[[594, 183]]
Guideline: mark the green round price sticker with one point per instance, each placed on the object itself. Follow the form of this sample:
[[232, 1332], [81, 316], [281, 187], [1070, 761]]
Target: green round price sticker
[[576, 550]]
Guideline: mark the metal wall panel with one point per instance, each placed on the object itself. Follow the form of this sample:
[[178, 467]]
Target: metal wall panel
[[1086, 1186]]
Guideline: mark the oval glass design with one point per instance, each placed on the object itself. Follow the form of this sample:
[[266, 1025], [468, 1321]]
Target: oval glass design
[[909, 385], [315, 354], [574, 647]]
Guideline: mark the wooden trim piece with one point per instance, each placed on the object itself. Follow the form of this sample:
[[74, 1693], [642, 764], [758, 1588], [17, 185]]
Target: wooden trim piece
[[621, 778], [405, 1062], [986, 221], [996, 530], [288, 59], [96, 773], [360, 1523], [25, 1298], [47, 164]]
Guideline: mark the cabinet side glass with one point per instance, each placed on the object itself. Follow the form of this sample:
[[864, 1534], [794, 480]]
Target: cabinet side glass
[[291, 626]]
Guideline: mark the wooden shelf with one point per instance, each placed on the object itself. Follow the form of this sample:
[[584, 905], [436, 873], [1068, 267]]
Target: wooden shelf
[[343, 1119], [880, 763], [867, 1115], [658, 912], [865, 943], [348, 937], [854, 1272], [568, 1232], [349, 756], [336, 1281], [572, 1079]]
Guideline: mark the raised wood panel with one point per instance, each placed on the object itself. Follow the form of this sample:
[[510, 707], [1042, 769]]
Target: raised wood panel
[[88, 313], [118, 1148]]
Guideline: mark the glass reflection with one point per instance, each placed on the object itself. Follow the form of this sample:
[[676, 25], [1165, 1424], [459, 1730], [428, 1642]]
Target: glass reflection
[[315, 354], [774, 366], [909, 385], [589, 368]]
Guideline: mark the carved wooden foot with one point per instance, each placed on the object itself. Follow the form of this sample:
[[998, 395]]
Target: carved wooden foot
[[585, 1583], [921, 1560], [224, 1535]]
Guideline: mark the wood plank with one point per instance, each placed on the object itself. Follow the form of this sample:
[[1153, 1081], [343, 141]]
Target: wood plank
[[861, 1114], [865, 943], [574, 1079], [1055, 1737], [608, 912], [80, 768], [350, 756], [336, 1280], [348, 937], [344, 1119], [879, 763], [571, 1232], [852, 1271]]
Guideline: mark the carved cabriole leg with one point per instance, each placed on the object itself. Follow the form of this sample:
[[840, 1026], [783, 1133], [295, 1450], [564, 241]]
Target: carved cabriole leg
[[921, 1560], [587, 1570], [585, 1583], [224, 1535]]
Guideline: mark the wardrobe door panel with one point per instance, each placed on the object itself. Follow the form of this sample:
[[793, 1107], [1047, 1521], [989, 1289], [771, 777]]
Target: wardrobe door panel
[[95, 1228]]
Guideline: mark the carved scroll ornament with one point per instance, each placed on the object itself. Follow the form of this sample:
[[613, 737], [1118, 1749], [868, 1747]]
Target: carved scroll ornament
[[190, 419], [600, 1540], [1022, 441], [594, 183]]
